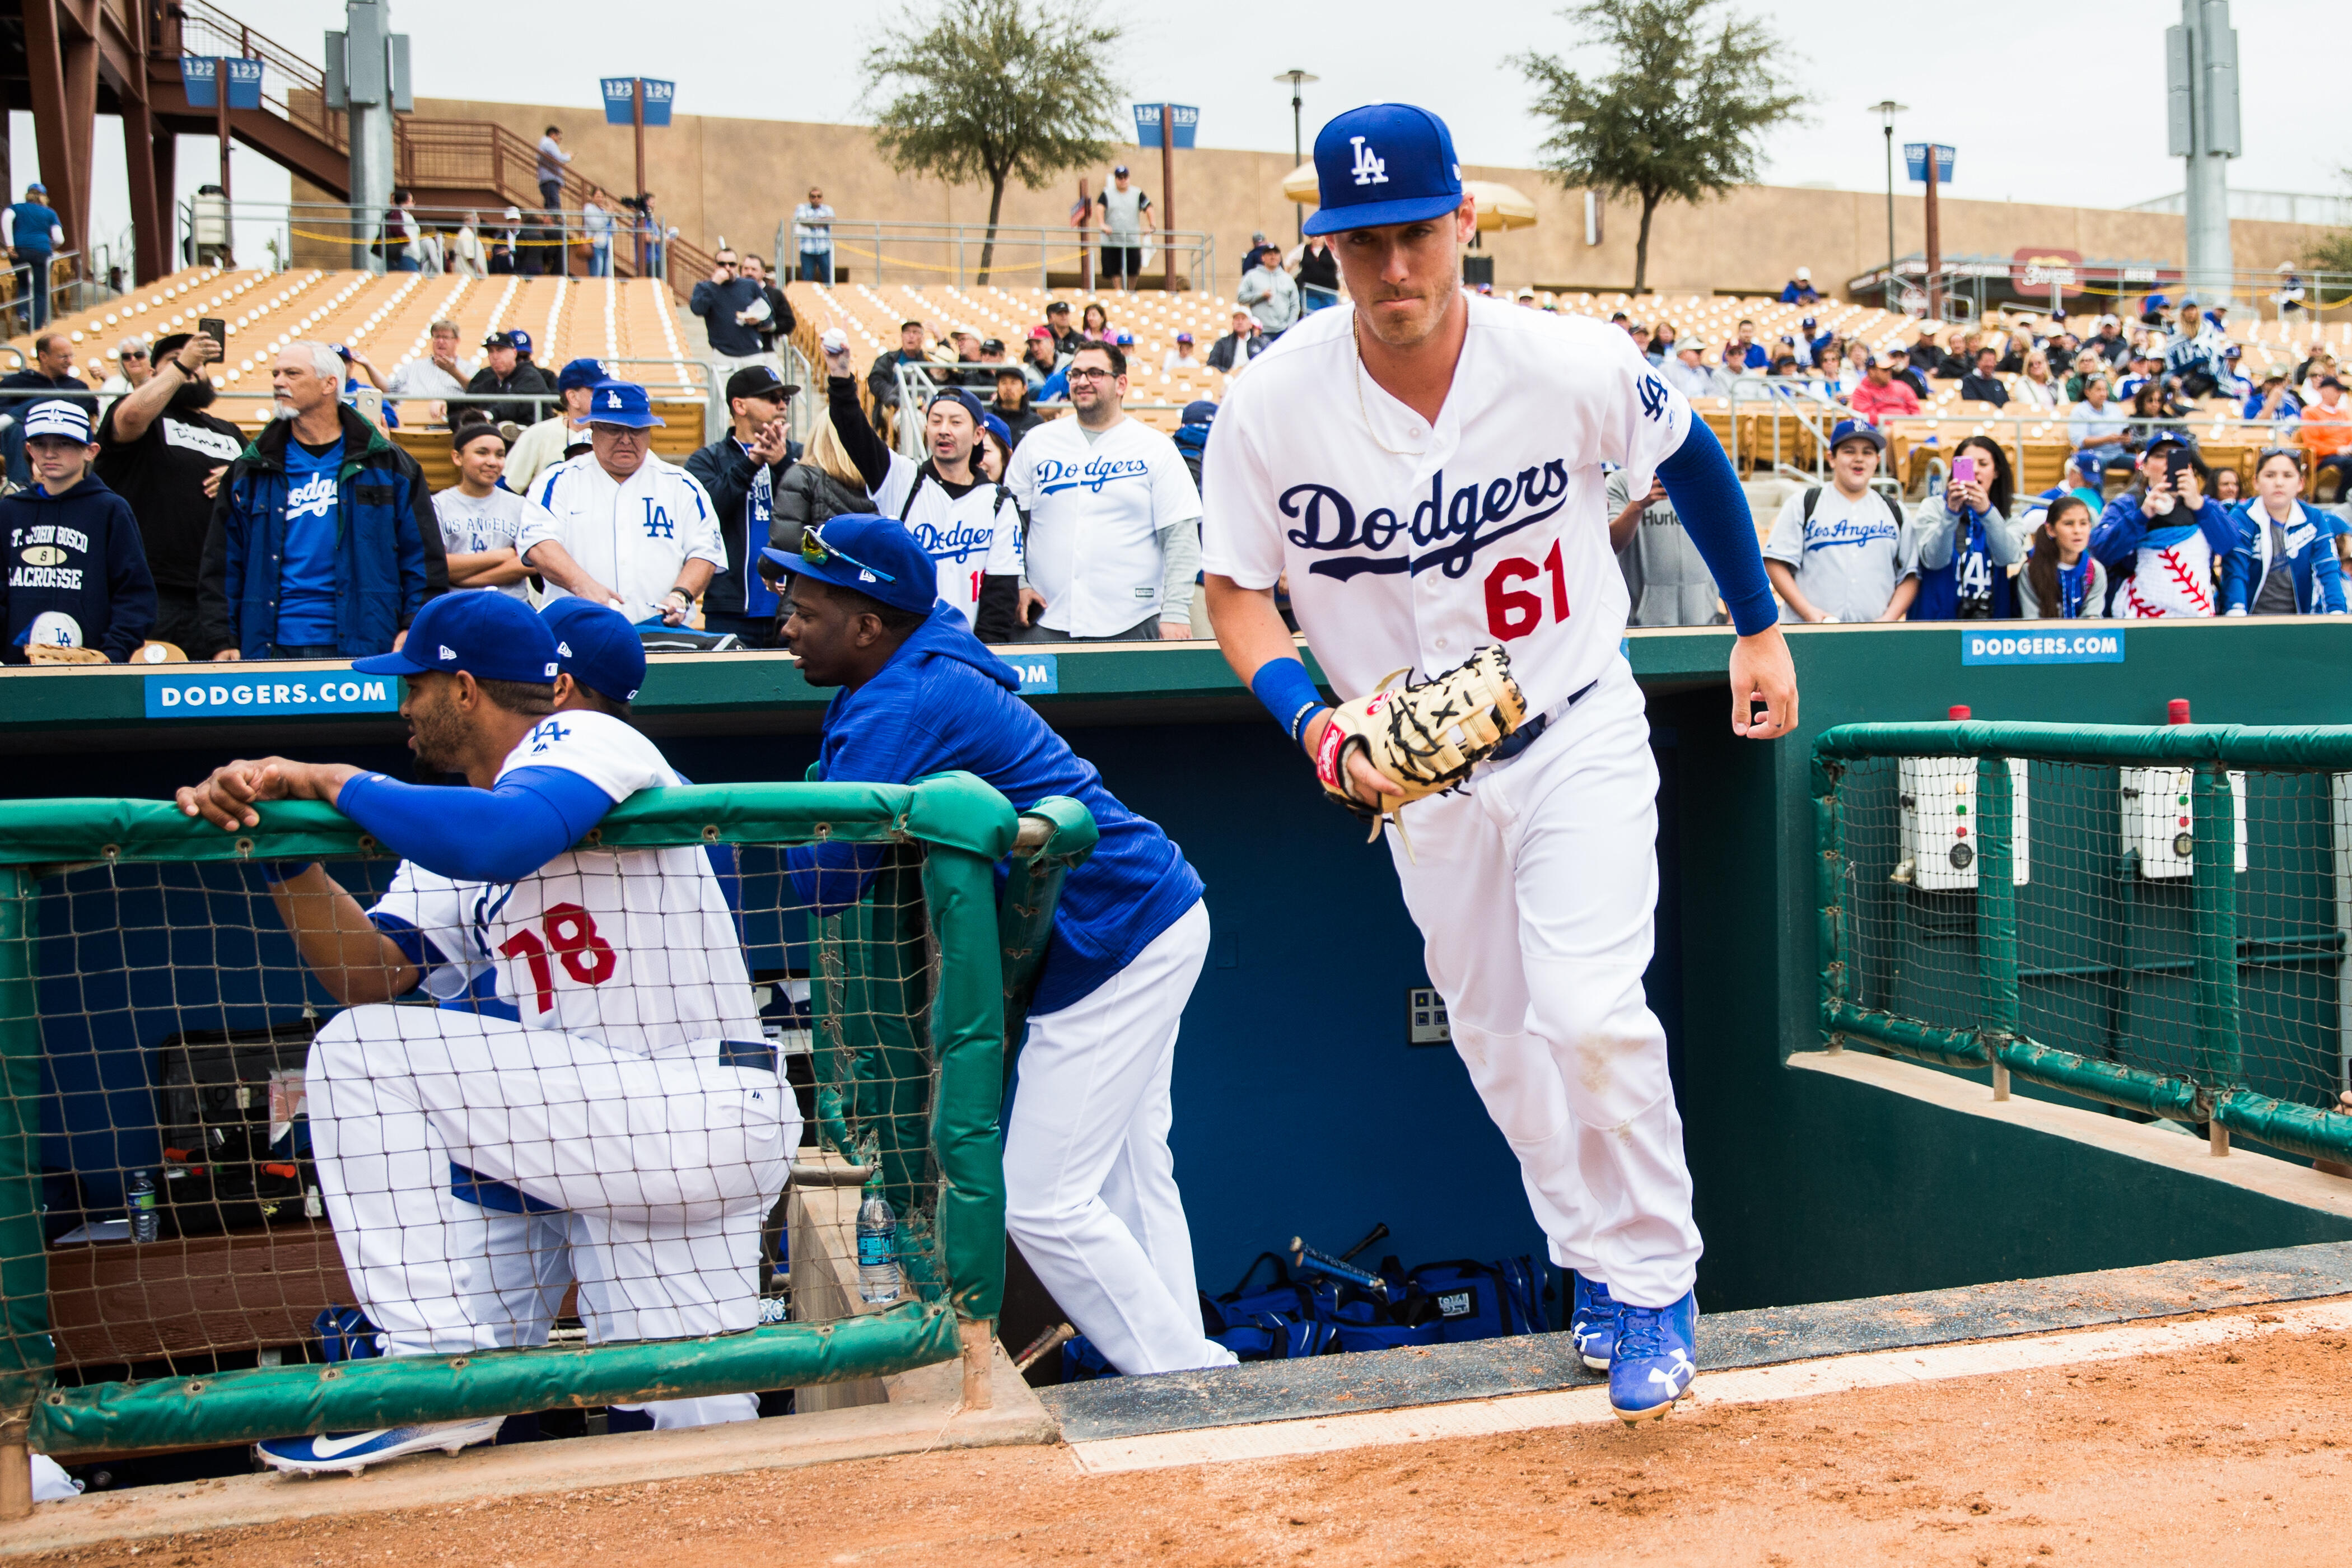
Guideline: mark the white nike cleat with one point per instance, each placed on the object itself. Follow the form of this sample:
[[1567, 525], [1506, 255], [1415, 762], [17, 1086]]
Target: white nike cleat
[[352, 1452]]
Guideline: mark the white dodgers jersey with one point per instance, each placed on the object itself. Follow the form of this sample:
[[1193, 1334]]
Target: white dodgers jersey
[[632, 947], [967, 537], [1409, 543]]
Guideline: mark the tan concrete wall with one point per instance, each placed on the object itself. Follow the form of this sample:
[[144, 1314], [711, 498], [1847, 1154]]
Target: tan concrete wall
[[738, 177]]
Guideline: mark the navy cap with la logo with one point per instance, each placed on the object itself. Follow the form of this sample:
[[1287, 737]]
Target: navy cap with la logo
[[1383, 163], [622, 403]]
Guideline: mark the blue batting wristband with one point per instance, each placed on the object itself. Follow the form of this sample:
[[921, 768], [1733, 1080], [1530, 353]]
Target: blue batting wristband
[[1289, 693]]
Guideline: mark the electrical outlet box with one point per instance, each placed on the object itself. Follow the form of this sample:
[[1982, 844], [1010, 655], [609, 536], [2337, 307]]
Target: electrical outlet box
[[1424, 1017], [1937, 801], [2158, 821]]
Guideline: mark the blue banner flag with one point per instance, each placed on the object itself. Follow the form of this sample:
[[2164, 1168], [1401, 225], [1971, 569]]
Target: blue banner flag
[[1147, 124]]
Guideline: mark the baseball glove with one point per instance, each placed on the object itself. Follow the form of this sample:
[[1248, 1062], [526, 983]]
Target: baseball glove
[[50, 653], [1423, 737]]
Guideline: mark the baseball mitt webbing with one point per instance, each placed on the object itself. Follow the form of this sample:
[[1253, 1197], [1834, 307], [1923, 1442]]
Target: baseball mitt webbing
[[1424, 738]]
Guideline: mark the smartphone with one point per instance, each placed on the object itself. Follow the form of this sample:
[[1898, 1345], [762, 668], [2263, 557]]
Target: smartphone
[[1963, 470], [214, 328], [2176, 461], [369, 402]]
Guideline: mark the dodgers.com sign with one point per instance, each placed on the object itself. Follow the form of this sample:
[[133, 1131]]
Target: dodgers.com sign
[[2103, 646], [211, 695], [1039, 672]]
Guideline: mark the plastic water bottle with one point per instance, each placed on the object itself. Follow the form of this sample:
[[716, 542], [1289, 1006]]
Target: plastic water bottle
[[139, 1195], [877, 1247]]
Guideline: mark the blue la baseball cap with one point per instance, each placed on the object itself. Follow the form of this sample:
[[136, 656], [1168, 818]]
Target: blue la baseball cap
[[596, 645], [521, 342], [488, 635], [1382, 163], [1856, 429], [580, 373], [623, 402], [874, 556], [998, 428]]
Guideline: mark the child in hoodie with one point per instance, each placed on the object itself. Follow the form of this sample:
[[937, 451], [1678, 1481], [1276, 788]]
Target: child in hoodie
[[78, 590]]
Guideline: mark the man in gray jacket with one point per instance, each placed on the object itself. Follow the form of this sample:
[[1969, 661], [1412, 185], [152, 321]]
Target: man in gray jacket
[[1269, 293]]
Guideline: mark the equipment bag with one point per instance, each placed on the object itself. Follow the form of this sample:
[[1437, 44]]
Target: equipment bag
[[1481, 1300]]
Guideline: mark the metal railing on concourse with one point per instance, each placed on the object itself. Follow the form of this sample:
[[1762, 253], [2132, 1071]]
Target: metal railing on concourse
[[885, 252], [2155, 918]]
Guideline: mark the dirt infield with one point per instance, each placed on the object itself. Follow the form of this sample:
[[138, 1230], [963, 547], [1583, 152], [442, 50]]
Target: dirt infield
[[2241, 1453]]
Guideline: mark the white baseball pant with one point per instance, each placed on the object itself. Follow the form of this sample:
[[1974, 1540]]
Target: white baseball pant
[[1089, 1183], [665, 1167], [1535, 891]]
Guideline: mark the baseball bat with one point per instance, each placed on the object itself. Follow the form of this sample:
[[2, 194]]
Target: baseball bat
[[1306, 1256], [1378, 1232], [1049, 1340]]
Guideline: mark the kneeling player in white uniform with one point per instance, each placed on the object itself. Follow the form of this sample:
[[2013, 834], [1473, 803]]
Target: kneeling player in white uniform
[[1427, 468], [614, 1072], [1090, 1192]]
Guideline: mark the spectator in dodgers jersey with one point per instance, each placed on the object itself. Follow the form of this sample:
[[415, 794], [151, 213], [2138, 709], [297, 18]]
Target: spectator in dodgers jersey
[[2163, 540], [562, 437], [323, 543], [966, 522], [623, 527], [1967, 545], [1839, 551], [1114, 516], [740, 472], [2063, 581], [161, 449], [2286, 562], [1666, 577], [633, 1093], [1090, 1193], [78, 588], [481, 519]]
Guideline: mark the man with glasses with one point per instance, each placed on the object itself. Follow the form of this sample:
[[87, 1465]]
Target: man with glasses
[[740, 472], [813, 232], [133, 367], [623, 527], [1114, 518]]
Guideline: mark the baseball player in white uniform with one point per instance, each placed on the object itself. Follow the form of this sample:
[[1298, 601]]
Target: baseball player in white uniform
[[612, 1071], [625, 527], [965, 522], [1426, 466]]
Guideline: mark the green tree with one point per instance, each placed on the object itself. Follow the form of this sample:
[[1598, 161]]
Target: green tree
[[1680, 115], [994, 90]]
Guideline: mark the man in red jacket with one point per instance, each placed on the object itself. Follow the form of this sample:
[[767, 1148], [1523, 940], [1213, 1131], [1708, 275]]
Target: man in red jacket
[[1880, 393]]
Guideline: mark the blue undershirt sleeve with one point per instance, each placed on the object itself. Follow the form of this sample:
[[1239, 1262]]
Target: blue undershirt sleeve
[[414, 945], [1714, 509], [497, 835]]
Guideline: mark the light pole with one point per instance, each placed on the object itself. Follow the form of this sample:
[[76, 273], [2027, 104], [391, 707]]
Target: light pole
[[1297, 78], [1886, 109]]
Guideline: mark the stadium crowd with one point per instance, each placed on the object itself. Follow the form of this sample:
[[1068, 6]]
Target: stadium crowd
[[160, 523]]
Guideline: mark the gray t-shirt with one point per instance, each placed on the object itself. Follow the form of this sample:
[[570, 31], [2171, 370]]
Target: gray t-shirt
[[1666, 577], [1849, 558], [1123, 215]]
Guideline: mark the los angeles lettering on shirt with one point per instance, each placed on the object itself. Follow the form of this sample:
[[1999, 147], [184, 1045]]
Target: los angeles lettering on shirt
[[1405, 539]]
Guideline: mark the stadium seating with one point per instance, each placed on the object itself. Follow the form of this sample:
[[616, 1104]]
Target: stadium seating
[[625, 322]]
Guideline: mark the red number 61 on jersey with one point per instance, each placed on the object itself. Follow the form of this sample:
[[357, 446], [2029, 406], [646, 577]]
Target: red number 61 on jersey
[[1514, 612]]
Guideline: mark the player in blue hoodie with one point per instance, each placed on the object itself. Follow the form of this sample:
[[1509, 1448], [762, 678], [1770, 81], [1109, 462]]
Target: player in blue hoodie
[[78, 588], [1090, 1186]]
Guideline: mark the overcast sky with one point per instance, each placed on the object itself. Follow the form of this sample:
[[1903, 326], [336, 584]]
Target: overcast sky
[[2058, 103]]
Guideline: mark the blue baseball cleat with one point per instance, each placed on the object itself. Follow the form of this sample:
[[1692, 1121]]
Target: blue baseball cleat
[[1592, 1323], [1652, 1365], [352, 1452]]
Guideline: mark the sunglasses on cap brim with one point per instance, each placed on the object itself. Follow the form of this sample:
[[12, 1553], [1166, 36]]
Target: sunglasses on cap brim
[[817, 552]]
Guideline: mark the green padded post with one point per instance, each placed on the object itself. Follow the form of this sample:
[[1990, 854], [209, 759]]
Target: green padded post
[[1996, 901], [2213, 898], [27, 1355], [1829, 885]]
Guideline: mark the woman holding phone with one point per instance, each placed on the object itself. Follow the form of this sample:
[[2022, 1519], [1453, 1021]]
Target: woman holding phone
[[2165, 536], [1968, 546]]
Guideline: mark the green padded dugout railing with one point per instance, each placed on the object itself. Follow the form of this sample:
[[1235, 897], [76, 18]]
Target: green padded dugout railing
[[912, 1071], [2151, 917]]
